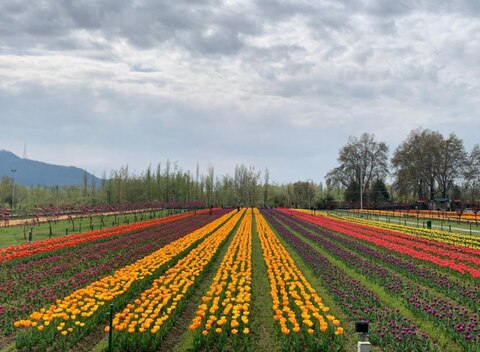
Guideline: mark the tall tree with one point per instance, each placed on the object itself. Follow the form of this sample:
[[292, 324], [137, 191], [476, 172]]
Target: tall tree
[[85, 184], [426, 164], [352, 192], [148, 180], [472, 173], [158, 180], [451, 163], [414, 162], [246, 180], [361, 160], [379, 192], [266, 178], [303, 194], [209, 184], [197, 182], [167, 181]]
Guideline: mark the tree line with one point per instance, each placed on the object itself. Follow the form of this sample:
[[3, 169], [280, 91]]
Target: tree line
[[426, 166], [167, 183]]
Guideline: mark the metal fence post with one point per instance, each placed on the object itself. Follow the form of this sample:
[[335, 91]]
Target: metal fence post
[[110, 331]]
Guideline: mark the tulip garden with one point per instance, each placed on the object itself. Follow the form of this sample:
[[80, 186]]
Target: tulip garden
[[234, 280]]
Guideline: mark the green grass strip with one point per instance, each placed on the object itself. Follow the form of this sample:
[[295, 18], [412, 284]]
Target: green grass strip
[[263, 332]]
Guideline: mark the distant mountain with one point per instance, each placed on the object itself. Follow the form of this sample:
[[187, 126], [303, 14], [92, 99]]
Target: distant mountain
[[33, 173]]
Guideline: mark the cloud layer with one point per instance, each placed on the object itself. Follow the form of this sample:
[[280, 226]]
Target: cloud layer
[[278, 84]]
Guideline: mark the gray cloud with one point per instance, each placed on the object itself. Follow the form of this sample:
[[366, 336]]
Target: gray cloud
[[203, 26], [278, 83]]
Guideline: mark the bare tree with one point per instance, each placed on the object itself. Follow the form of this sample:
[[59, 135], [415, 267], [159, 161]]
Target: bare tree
[[452, 159], [472, 173], [197, 179], [361, 161], [246, 180], [209, 184], [266, 177]]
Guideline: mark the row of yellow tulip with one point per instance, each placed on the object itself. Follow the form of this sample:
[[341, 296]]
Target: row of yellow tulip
[[432, 214], [296, 305], [79, 308], [430, 234], [140, 324], [225, 307]]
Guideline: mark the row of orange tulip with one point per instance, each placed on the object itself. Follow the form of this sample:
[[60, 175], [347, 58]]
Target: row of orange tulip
[[225, 307], [142, 323], [297, 307], [78, 309]]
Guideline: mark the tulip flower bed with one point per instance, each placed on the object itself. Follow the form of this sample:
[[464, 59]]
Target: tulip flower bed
[[65, 322], [301, 315], [29, 249], [457, 258], [456, 287], [187, 284], [459, 321], [468, 241], [33, 282], [143, 323], [223, 316], [389, 328], [427, 214]]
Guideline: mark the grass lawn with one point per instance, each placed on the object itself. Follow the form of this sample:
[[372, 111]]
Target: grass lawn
[[18, 234]]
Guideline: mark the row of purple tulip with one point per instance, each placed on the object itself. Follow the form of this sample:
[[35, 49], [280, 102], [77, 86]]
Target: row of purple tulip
[[389, 328], [460, 322], [460, 288]]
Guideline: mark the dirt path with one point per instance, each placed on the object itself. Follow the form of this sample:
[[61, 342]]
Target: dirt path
[[43, 219]]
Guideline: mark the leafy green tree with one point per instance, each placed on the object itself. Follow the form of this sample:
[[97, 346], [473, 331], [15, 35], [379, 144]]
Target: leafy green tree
[[303, 194], [352, 192], [379, 192], [427, 165], [5, 192]]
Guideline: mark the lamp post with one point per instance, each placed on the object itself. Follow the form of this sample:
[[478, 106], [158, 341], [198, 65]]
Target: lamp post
[[13, 188]]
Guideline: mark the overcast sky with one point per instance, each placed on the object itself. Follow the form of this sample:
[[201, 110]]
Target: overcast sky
[[280, 84]]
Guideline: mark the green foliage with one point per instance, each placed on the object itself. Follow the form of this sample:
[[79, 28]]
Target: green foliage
[[379, 192], [426, 164], [352, 192]]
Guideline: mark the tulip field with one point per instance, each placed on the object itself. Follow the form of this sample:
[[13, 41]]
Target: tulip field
[[240, 280]]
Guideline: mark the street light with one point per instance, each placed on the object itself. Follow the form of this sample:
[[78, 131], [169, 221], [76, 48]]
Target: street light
[[13, 188]]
